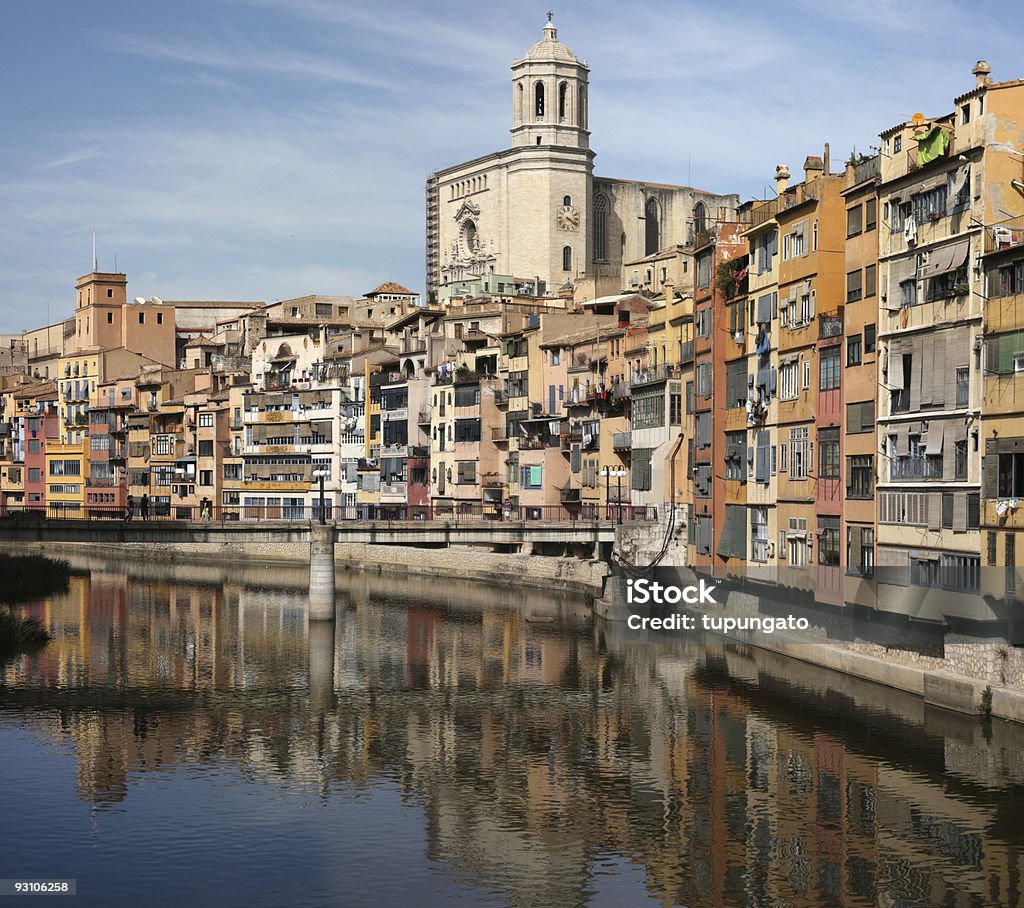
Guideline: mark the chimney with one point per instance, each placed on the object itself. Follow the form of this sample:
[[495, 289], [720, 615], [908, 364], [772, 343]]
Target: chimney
[[981, 72], [827, 158], [812, 165], [781, 178]]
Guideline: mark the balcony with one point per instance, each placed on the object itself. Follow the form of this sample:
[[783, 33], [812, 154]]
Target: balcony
[[622, 441], [654, 375], [569, 496], [903, 468], [393, 491], [899, 401], [498, 434], [686, 352], [1004, 235], [424, 417], [830, 324], [622, 391]]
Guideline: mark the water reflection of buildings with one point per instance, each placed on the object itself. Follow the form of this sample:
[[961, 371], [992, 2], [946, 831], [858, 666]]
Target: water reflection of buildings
[[538, 750]]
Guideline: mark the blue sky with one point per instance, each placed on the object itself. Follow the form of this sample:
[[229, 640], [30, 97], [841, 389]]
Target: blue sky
[[263, 149]]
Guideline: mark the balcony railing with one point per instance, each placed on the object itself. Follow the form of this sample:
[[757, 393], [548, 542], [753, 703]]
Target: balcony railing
[[622, 441], [686, 352], [1004, 235], [654, 374], [915, 468], [830, 324], [569, 496], [899, 401]]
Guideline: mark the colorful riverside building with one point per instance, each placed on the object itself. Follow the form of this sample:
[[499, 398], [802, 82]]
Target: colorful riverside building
[[944, 403], [712, 250], [859, 375]]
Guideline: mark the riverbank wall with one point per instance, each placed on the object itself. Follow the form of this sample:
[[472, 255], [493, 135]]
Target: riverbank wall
[[972, 675], [578, 576]]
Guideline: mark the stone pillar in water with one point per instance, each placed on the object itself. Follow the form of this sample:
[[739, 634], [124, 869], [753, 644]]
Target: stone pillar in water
[[321, 573], [321, 662]]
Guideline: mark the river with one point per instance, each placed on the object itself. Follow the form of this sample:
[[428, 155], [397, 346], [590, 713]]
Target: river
[[185, 739]]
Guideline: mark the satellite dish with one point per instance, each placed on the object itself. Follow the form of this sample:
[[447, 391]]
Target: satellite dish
[[139, 300], [917, 119], [157, 300]]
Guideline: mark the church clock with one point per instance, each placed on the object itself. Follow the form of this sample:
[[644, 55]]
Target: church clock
[[568, 218]]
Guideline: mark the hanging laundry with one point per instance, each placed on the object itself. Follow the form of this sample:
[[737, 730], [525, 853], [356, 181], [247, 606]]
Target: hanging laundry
[[931, 144], [910, 229]]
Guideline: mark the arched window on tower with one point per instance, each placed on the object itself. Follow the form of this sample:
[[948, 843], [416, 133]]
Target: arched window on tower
[[538, 93], [567, 258], [581, 108], [700, 218], [519, 103], [651, 229], [567, 200], [563, 90], [600, 227]]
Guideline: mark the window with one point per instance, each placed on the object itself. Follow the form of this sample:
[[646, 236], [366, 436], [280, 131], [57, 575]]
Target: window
[[736, 383], [860, 417], [806, 307], [652, 232], [703, 377], [963, 386], [853, 221], [960, 459], [947, 510], [110, 318], [853, 286], [796, 541], [640, 471], [973, 510], [142, 318], [206, 420], [703, 318], [870, 280], [538, 100], [206, 449], [870, 214], [829, 369], [805, 368], [908, 293], [788, 381], [206, 477], [897, 144], [704, 271], [600, 228], [675, 407], [759, 534], [869, 339], [1010, 483], [531, 477], [466, 472], [853, 350], [930, 205], [828, 453], [736, 456], [965, 114], [567, 258], [860, 476], [799, 445], [828, 541]]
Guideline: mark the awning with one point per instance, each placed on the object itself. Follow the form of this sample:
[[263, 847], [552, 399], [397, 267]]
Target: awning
[[946, 258], [733, 541], [933, 440], [900, 270]]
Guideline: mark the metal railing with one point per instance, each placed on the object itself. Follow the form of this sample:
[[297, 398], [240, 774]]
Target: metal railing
[[830, 324], [915, 468], [440, 510]]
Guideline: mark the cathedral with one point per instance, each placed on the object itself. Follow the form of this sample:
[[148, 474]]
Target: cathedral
[[536, 212]]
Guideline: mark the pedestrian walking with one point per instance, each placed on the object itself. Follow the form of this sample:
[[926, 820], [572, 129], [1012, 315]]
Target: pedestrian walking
[[145, 507], [129, 509]]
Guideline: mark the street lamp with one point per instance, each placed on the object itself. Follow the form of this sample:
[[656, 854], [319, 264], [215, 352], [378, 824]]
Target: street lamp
[[321, 475], [618, 473]]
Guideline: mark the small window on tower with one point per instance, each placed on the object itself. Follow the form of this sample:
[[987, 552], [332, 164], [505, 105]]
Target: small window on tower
[[110, 318], [142, 318], [539, 99], [159, 318], [567, 200], [110, 292]]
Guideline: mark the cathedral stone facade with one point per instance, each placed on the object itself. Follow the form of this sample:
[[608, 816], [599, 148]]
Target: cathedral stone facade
[[536, 210]]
